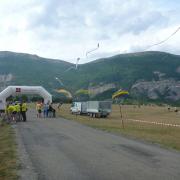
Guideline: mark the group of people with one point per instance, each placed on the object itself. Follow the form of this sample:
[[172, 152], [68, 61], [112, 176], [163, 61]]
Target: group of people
[[15, 111], [46, 109]]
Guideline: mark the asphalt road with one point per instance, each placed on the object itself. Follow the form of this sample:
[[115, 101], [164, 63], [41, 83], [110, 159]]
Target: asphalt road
[[59, 149]]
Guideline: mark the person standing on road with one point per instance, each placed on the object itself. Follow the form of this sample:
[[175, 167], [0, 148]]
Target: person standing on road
[[23, 111], [18, 115], [45, 110], [10, 110], [14, 113], [39, 109], [8, 113], [52, 111]]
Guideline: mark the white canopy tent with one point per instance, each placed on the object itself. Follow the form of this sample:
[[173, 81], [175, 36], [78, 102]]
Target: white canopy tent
[[19, 90]]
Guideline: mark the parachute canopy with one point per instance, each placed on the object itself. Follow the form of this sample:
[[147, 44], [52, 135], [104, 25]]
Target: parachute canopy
[[120, 94], [65, 92], [82, 92]]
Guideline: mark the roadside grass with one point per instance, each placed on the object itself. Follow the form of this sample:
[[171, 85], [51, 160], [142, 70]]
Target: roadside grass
[[8, 163], [164, 135]]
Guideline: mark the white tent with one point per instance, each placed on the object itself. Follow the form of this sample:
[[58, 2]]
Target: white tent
[[18, 90]]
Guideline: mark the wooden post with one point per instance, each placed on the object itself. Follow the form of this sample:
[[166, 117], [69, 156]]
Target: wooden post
[[120, 110]]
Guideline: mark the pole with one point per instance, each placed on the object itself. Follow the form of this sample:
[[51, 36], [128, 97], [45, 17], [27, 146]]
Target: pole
[[122, 120]]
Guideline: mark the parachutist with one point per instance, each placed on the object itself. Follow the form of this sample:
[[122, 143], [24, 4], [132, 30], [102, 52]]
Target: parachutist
[[72, 67], [77, 62], [88, 52]]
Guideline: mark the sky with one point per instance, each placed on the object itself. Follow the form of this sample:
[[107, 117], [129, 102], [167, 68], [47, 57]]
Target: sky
[[68, 29]]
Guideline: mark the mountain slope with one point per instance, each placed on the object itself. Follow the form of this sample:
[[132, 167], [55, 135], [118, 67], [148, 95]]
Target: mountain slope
[[125, 70], [26, 69], [121, 71]]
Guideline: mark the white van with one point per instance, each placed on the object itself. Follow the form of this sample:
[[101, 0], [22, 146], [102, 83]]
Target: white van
[[79, 108]]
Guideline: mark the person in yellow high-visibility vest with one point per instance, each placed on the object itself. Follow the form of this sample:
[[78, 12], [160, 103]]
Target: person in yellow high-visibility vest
[[23, 111], [14, 114], [18, 115], [10, 110]]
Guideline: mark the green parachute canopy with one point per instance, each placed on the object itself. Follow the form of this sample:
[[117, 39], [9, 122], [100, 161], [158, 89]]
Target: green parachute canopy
[[82, 92]]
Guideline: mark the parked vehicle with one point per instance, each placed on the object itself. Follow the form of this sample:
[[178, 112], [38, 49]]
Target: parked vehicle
[[99, 108], [83, 107], [79, 108]]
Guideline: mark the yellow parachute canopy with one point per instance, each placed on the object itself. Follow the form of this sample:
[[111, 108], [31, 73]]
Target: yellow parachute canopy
[[119, 94], [65, 92], [82, 92]]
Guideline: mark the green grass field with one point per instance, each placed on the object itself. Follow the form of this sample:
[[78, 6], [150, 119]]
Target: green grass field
[[8, 163], [163, 135]]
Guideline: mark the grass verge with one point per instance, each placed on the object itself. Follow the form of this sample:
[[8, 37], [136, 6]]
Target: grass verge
[[8, 163]]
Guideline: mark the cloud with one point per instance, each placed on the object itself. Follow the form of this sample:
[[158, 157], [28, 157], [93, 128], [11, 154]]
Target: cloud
[[67, 29]]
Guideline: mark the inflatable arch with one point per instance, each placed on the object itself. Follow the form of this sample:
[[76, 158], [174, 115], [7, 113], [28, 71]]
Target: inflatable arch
[[18, 90]]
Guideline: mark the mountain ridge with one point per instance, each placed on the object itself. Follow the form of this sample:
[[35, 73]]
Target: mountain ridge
[[119, 71], [33, 56]]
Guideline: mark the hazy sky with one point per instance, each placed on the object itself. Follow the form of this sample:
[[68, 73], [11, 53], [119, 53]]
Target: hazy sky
[[67, 29]]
